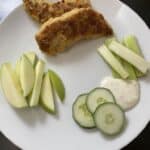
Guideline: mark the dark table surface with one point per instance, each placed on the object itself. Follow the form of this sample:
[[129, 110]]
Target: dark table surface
[[142, 142]]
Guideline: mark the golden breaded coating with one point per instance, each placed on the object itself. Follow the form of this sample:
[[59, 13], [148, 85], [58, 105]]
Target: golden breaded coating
[[61, 32], [42, 10], [77, 1]]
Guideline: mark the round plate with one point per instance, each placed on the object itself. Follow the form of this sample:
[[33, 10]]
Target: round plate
[[81, 70]]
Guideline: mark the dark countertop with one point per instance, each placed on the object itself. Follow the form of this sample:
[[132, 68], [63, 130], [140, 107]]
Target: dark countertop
[[142, 142]]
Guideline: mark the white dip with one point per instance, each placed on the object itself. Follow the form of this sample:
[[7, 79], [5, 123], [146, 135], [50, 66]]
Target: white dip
[[126, 92]]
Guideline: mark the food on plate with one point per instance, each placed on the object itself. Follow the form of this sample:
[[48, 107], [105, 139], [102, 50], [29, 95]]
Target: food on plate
[[17, 69], [32, 57], [107, 42], [42, 10], [77, 1], [62, 32], [65, 23], [131, 60], [113, 61], [99, 109], [126, 92], [109, 118], [26, 75], [35, 95], [28, 85], [57, 84], [11, 87], [81, 114], [108, 103], [128, 55], [130, 41], [47, 100], [128, 67], [97, 97]]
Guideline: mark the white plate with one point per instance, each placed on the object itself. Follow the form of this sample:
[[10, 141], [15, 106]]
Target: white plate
[[81, 70]]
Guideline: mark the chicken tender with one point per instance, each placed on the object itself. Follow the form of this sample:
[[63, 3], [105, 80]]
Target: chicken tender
[[42, 10], [61, 32], [77, 1]]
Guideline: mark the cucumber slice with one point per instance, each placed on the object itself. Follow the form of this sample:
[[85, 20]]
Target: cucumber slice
[[130, 41], [80, 113], [109, 118], [129, 56], [97, 97], [112, 61]]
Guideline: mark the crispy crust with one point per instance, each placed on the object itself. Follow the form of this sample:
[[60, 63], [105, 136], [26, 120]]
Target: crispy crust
[[78, 1], [61, 32], [42, 10]]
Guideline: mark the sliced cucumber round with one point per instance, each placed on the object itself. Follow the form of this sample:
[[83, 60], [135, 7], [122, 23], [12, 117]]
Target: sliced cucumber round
[[81, 114], [97, 97], [109, 118]]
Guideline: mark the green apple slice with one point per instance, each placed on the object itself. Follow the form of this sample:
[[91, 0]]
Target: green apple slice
[[27, 75], [46, 96], [17, 68], [32, 57], [11, 88], [39, 71], [57, 84]]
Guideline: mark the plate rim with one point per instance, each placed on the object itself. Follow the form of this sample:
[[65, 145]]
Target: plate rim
[[147, 120]]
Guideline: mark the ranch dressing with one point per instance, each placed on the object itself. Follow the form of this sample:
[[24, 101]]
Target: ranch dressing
[[126, 92]]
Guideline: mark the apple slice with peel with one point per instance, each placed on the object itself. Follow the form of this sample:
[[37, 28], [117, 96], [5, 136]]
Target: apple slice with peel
[[17, 68], [39, 71], [46, 96], [57, 84], [32, 57], [11, 88], [27, 75]]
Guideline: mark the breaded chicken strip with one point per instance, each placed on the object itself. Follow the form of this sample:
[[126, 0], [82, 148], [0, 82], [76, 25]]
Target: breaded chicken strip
[[77, 1], [42, 10], [61, 32]]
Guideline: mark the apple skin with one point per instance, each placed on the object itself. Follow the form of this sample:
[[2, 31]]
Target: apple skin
[[47, 100], [57, 84], [32, 57], [27, 75], [35, 95]]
